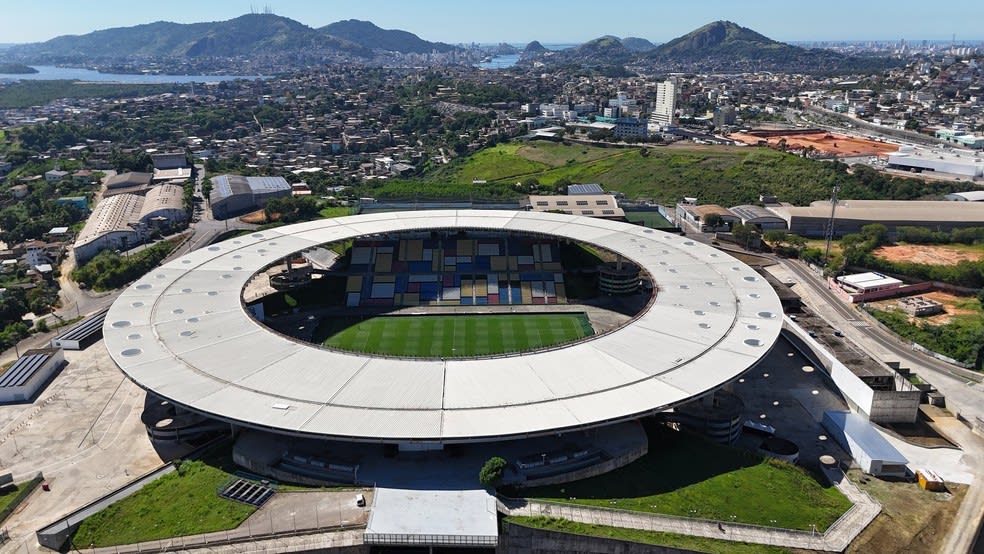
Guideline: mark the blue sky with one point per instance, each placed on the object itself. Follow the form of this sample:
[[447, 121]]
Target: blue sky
[[524, 20]]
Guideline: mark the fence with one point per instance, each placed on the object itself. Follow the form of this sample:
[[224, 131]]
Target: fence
[[24, 491]]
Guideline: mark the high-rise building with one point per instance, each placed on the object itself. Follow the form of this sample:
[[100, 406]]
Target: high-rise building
[[665, 105]]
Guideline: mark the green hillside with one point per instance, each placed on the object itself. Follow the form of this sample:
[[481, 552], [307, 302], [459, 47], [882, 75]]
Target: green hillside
[[726, 175]]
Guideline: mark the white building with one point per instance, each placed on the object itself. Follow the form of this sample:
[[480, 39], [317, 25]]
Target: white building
[[29, 373], [664, 107]]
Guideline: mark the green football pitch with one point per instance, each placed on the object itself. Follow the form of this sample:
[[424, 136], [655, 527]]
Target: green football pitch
[[450, 336]]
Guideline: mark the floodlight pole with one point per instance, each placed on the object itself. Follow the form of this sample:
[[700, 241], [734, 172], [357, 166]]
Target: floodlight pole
[[830, 224]]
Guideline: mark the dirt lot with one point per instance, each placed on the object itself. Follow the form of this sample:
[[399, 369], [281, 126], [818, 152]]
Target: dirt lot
[[912, 520], [929, 254], [258, 217], [838, 145], [949, 301]]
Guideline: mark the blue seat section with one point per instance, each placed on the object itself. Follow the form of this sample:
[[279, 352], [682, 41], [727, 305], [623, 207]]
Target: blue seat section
[[474, 262]]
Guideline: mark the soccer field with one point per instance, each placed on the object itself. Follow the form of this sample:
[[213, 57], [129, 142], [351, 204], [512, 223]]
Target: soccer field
[[450, 336]]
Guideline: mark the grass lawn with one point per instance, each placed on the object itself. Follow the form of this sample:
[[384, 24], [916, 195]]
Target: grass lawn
[[181, 503], [556, 155], [501, 162], [685, 475], [335, 211], [649, 219], [686, 542], [9, 492], [451, 336]]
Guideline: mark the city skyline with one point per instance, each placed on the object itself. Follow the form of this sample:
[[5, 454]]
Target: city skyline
[[517, 22]]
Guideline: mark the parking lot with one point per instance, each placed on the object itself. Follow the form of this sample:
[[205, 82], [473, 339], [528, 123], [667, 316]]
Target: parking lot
[[83, 432]]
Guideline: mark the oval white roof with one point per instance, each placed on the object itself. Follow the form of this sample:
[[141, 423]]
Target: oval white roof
[[182, 331]]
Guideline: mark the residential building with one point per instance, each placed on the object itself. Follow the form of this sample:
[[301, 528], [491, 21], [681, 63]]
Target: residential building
[[664, 107]]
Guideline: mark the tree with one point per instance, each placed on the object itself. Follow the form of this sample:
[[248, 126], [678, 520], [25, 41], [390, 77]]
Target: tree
[[491, 473], [713, 221], [775, 237], [744, 234], [206, 189]]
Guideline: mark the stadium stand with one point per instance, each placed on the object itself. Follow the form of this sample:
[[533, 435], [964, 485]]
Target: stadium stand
[[474, 271]]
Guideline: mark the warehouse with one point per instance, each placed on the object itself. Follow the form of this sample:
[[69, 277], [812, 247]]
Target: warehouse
[[851, 215], [29, 373], [119, 222], [86, 332], [918, 160], [234, 195], [128, 183], [113, 224], [163, 205], [759, 217]]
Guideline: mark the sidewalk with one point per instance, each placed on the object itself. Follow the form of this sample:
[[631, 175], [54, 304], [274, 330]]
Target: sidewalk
[[835, 539]]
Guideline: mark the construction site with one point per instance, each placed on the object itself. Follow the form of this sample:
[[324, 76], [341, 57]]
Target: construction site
[[815, 142]]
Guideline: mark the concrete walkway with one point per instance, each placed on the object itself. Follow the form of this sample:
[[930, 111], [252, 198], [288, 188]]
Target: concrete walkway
[[835, 539], [296, 543]]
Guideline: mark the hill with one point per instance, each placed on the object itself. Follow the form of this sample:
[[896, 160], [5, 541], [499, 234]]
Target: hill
[[727, 175], [636, 44], [602, 51], [727, 46], [368, 35], [534, 48], [247, 35]]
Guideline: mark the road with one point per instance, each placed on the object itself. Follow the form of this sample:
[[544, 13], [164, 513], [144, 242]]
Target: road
[[848, 317], [962, 388]]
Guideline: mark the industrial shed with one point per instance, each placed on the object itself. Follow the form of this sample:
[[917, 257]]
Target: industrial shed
[[128, 183], [113, 224], [759, 217], [868, 448], [29, 373], [235, 194], [163, 204], [919, 160], [86, 332], [851, 215]]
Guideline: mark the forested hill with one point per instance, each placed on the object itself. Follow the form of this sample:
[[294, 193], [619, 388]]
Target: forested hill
[[368, 35]]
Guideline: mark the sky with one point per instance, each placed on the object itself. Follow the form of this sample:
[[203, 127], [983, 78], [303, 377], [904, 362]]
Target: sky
[[520, 21]]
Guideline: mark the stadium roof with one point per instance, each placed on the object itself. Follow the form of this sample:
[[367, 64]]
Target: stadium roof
[[183, 332]]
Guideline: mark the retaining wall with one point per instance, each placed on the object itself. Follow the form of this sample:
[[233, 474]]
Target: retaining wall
[[878, 406], [519, 539]]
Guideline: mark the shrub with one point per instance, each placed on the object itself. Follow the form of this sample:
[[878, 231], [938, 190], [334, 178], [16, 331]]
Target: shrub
[[491, 473]]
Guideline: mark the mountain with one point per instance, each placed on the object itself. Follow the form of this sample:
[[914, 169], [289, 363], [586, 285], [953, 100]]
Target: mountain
[[727, 46], [602, 51], [248, 35], [636, 44], [534, 48], [368, 35]]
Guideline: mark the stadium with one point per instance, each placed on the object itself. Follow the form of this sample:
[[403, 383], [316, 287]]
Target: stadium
[[184, 333]]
